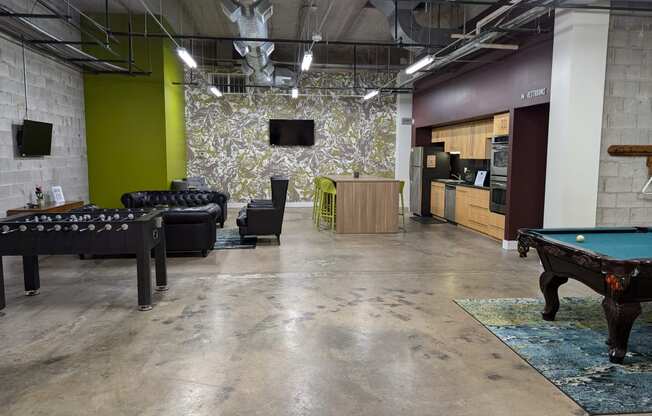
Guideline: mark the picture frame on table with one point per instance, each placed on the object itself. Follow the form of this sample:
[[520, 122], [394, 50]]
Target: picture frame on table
[[57, 195]]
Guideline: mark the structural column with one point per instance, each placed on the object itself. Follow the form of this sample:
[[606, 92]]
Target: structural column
[[403, 143], [576, 102]]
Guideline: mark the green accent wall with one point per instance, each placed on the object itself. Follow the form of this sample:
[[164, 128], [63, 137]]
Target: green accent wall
[[175, 127], [135, 124]]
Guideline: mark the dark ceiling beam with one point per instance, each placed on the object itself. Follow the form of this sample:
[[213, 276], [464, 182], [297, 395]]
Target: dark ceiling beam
[[33, 15], [275, 40], [60, 42], [558, 4]]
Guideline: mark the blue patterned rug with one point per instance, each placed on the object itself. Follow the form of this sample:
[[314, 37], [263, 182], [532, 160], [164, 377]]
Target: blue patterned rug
[[571, 351], [229, 238]]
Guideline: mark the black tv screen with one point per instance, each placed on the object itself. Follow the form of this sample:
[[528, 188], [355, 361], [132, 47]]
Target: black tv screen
[[35, 138], [291, 132]]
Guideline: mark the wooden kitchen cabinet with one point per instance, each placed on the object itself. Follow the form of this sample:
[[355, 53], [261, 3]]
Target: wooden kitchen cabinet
[[501, 124], [462, 205], [437, 199], [472, 211], [471, 140], [496, 227]]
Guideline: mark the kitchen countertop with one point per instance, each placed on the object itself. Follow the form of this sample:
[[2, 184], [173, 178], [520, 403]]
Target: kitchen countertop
[[468, 185]]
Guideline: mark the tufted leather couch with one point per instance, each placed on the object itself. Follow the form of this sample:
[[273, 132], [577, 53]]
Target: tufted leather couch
[[190, 216]]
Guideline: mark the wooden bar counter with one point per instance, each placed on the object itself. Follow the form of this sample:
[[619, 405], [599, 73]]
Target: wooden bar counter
[[366, 205]]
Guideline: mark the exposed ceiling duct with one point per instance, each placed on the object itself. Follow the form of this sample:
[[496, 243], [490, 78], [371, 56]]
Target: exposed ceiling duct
[[251, 19], [478, 40], [404, 25]]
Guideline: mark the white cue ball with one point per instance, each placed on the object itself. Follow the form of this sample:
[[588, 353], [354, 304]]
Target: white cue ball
[[579, 238]]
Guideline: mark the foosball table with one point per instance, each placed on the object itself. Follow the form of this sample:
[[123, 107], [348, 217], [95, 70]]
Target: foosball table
[[87, 232]]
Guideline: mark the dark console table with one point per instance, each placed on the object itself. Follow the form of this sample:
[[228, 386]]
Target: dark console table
[[93, 231]]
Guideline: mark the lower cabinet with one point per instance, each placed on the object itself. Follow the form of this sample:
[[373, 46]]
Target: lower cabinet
[[472, 211], [437, 198]]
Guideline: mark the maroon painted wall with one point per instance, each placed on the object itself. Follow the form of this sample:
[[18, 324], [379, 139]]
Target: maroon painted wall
[[488, 89], [526, 185]]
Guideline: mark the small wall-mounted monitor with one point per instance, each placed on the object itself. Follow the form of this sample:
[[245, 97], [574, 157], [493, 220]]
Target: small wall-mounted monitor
[[34, 139], [291, 132]]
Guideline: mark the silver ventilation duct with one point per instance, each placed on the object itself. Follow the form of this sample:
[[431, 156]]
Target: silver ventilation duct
[[251, 18], [404, 25]]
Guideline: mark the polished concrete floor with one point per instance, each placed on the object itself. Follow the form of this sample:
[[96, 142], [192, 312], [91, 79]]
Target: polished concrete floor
[[323, 324]]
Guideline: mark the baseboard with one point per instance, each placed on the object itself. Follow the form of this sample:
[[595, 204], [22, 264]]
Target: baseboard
[[510, 244]]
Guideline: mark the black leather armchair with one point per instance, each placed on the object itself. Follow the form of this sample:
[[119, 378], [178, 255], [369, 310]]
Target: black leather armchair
[[265, 217], [190, 217]]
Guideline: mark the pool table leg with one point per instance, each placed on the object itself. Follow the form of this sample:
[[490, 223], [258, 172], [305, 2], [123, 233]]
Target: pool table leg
[[620, 318], [549, 284]]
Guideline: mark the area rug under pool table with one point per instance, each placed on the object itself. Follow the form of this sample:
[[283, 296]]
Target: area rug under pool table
[[571, 351]]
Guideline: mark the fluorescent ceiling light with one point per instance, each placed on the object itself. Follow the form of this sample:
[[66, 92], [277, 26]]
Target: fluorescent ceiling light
[[421, 63], [454, 153], [502, 46], [307, 60], [461, 36], [371, 94], [215, 91], [295, 92], [186, 58]]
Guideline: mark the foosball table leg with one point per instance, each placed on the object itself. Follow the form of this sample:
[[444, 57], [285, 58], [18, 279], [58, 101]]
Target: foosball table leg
[[3, 301], [31, 275], [144, 280], [161, 268]]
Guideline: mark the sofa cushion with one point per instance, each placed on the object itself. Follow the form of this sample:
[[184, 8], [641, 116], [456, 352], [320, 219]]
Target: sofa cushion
[[191, 215]]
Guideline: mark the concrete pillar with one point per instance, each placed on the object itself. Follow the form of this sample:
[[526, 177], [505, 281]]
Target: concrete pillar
[[403, 143], [574, 134]]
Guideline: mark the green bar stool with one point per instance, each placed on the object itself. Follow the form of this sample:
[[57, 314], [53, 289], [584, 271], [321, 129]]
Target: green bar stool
[[316, 199], [327, 203], [401, 185]]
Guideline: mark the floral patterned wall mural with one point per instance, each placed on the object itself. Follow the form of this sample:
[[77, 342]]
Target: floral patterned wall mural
[[228, 138]]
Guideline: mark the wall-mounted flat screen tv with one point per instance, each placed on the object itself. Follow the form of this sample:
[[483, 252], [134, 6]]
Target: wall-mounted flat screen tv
[[34, 139], [291, 132]]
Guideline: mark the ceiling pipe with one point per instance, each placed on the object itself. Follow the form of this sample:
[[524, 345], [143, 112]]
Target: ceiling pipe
[[26, 23], [277, 40], [473, 45], [404, 25], [25, 30]]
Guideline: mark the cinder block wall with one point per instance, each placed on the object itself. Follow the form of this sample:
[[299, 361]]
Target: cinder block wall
[[627, 119], [55, 95]]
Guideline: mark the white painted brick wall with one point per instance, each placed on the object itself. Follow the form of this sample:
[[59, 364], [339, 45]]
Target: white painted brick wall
[[55, 95], [627, 119]]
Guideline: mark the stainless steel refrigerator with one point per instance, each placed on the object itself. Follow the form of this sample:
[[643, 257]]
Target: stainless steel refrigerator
[[421, 176]]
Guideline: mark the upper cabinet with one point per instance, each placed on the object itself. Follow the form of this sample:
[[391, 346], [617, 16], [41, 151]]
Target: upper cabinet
[[471, 140], [501, 124]]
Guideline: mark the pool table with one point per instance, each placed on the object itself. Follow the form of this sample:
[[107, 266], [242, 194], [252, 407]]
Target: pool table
[[615, 262]]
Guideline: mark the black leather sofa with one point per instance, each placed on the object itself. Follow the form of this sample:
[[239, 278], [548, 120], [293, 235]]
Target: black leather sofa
[[265, 217], [190, 216]]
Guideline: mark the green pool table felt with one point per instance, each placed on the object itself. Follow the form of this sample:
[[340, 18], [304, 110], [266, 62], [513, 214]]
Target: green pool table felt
[[624, 246]]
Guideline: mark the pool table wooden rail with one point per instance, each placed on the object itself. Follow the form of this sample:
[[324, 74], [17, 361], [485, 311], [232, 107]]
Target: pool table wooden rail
[[623, 283]]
